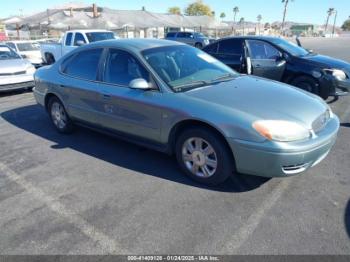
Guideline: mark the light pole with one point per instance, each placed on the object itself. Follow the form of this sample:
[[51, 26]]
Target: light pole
[[335, 20]]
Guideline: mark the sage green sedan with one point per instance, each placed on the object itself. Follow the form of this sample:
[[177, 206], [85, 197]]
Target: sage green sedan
[[176, 99]]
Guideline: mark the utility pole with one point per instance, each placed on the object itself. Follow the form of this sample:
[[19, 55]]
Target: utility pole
[[335, 20]]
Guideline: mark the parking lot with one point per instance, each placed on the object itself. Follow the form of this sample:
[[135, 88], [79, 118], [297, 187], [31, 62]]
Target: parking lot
[[90, 194]]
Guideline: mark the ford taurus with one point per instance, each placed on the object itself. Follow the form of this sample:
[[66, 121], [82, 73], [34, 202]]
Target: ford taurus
[[177, 99]]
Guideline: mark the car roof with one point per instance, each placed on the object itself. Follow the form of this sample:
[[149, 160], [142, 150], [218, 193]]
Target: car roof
[[136, 44], [252, 37], [88, 31], [21, 41]]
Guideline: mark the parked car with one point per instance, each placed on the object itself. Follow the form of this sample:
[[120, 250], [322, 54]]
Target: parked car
[[191, 38], [29, 50], [15, 72], [281, 60], [72, 39], [177, 99]]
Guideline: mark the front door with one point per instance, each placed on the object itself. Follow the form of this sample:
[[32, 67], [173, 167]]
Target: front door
[[123, 109], [266, 60]]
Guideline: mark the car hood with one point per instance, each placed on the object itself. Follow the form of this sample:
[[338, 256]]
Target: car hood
[[328, 62], [262, 99], [13, 65]]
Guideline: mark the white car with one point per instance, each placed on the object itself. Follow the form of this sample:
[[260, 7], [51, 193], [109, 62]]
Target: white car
[[29, 50], [15, 72]]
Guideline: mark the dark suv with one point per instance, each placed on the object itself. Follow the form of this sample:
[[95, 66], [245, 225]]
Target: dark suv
[[281, 60]]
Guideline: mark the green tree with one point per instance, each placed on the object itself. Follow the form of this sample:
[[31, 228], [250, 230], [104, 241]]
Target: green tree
[[285, 2], [198, 8], [346, 25], [175, 10], [222, 15], [330, 12], [235, 12]]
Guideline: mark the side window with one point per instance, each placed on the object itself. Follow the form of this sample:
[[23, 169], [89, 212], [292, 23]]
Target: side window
[[12, 45], [68, 39], [262, 50], [189, 35], [171, 34], [121, 68], [181, 34], [231, 46], [83, 64], [211, 49], [78, 37]]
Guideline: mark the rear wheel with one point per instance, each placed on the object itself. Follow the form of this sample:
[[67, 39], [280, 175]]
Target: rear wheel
[[311, 85], [59, 116], [204, 156], [49, 59]]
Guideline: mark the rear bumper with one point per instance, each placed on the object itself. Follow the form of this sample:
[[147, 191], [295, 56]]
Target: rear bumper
[[271, 159]]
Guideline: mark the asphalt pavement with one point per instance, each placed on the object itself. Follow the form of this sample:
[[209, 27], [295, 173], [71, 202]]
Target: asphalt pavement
[[87, 193]]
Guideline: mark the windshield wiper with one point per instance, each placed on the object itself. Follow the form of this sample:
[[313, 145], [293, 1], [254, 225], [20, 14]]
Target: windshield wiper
[[192, 84], [224, 77]]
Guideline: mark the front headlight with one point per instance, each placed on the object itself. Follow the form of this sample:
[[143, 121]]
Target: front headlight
[[30, 70], [338, 74], [280, 130]]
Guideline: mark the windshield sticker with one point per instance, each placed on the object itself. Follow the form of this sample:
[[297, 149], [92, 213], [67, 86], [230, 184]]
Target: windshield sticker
[[207, 58]]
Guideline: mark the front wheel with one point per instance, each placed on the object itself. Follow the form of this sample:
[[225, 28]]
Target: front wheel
[[204, 156], [311, 85]]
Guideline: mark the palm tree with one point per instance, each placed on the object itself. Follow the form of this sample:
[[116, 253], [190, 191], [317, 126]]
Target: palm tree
[[330, 12], [235, 12], [259, 18], [286, 2], [222, 15]]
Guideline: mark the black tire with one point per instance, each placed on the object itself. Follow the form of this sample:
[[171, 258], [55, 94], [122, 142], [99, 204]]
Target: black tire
[[49, 59], [198, 45], [68, 125], [223, 155], [311, 85]]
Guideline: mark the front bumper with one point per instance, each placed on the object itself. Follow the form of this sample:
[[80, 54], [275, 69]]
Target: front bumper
[[272, 159], [16, 82], [335, 86]]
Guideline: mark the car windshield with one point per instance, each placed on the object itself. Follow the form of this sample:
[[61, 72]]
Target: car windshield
[[27, 47], [290, 47], [185, 67], [99, 36], [7, 53]]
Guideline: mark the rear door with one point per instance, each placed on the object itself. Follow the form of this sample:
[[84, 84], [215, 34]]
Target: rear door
[[266, 60], [231, 53], [68, 44], [79, 85]]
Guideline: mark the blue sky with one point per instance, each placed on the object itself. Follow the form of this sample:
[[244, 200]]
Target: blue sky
[[311, 11]]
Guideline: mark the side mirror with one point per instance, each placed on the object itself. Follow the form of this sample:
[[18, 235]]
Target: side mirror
[[139, 83], [80, 43], [280, 61], [310, 50]]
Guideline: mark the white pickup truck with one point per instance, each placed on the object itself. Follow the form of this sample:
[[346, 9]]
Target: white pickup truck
[[70, 40]]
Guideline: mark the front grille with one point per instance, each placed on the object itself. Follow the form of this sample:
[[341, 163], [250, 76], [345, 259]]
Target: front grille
[[319, 124], [17, 86], [13, 74]]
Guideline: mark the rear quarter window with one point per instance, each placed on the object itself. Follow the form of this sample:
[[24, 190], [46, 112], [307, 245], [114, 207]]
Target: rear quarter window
[[82, 65]]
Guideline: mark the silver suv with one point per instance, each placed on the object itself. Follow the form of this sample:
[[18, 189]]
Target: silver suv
[[191, 38]]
